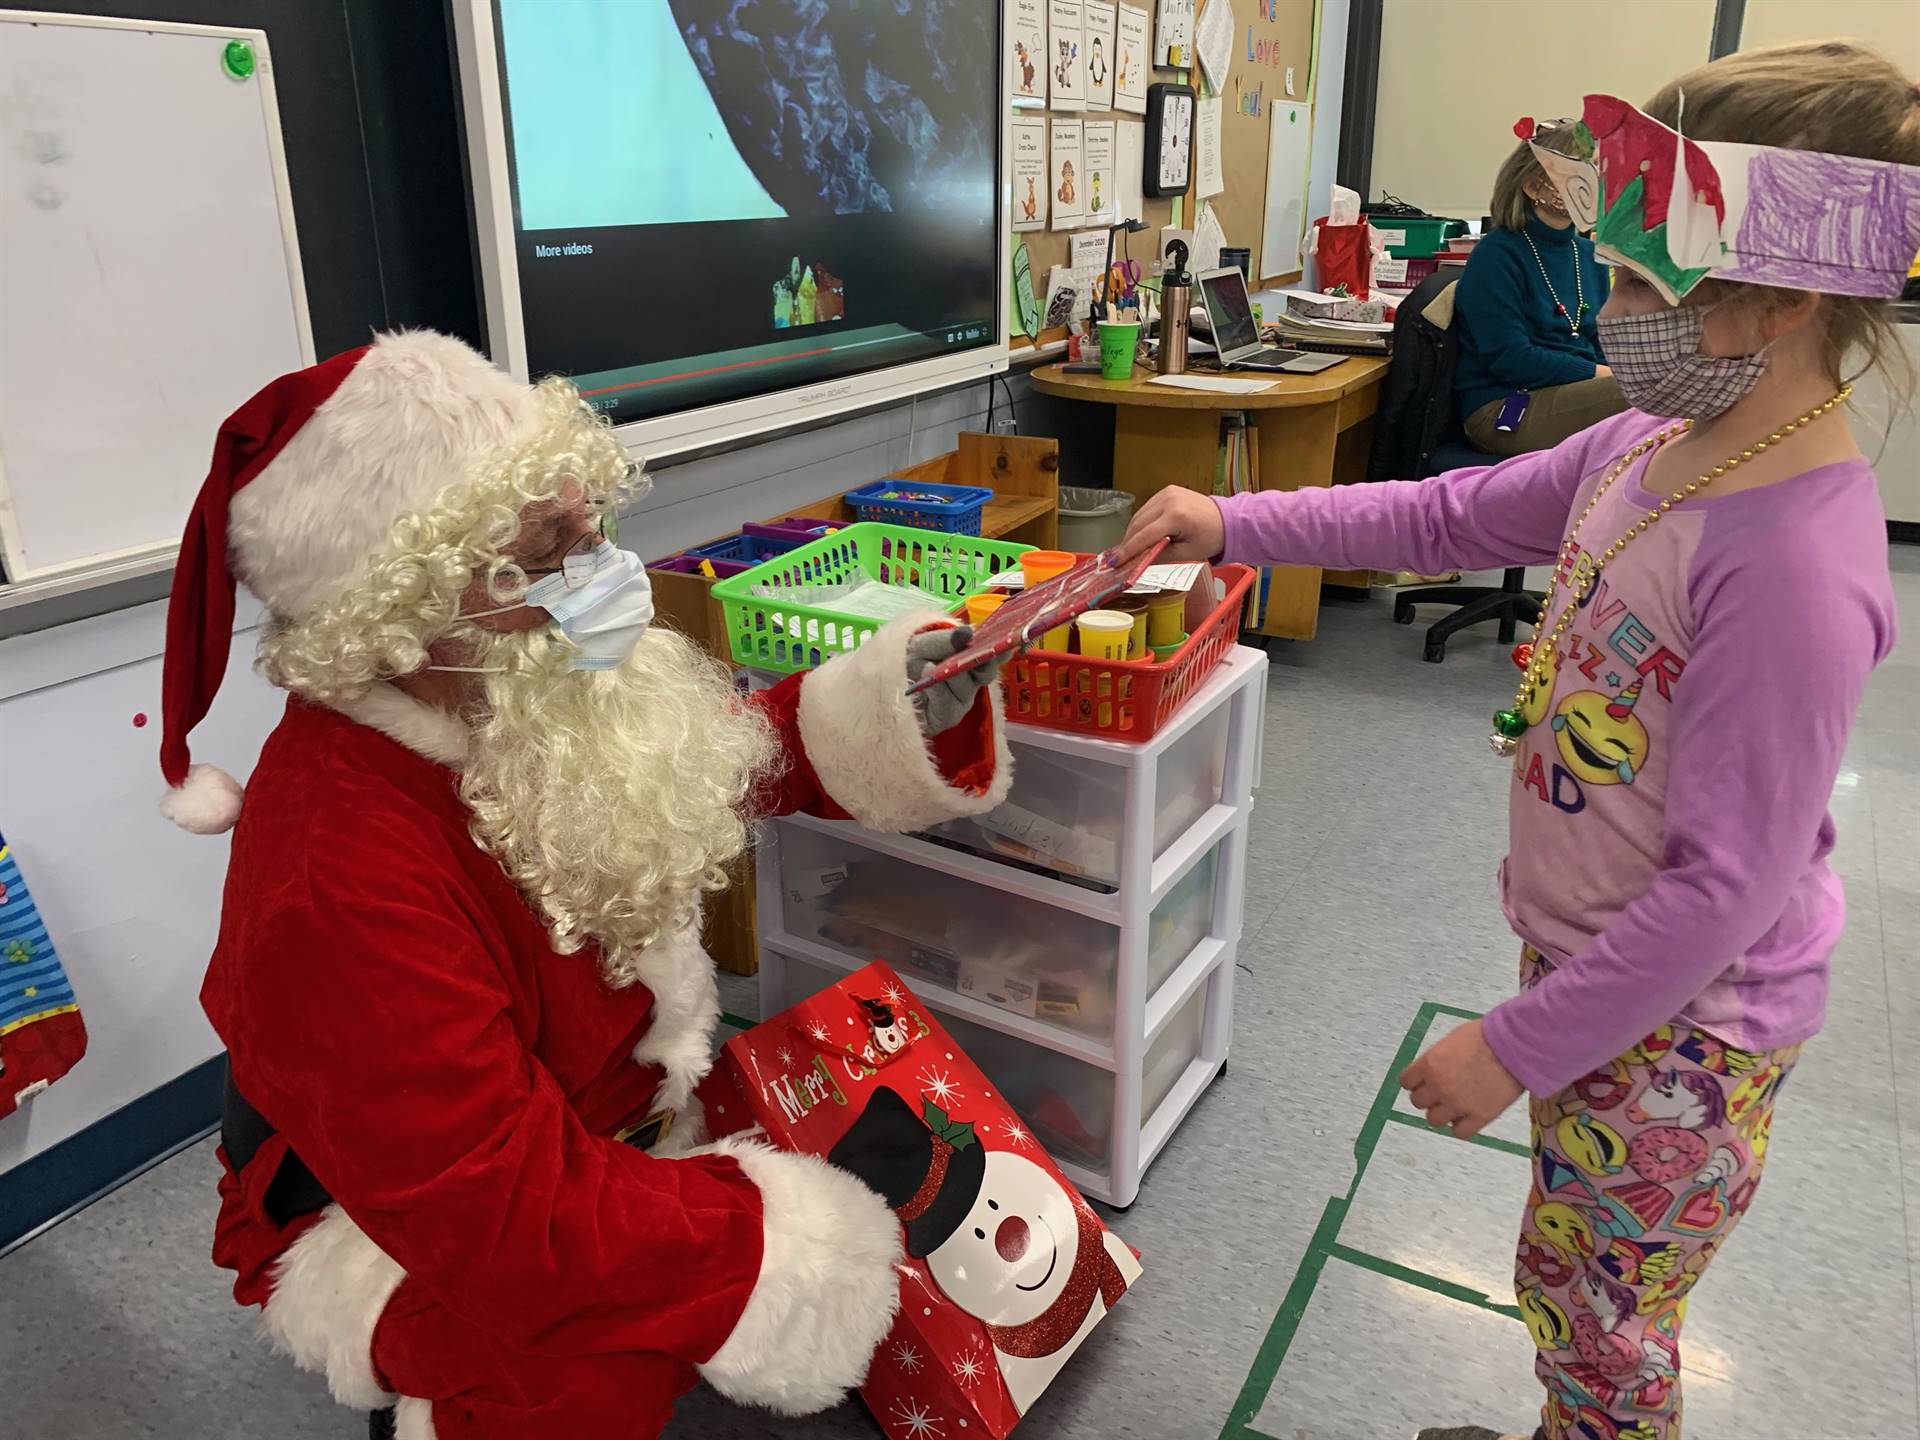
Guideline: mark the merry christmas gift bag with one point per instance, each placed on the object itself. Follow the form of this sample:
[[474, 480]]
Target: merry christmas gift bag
[[1008, 1269], [41, 1035]]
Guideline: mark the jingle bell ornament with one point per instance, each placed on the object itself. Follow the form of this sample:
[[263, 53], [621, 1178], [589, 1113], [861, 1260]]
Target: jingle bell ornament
[[1523, 654]]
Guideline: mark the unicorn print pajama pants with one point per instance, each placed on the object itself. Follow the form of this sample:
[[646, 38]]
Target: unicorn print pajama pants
[[1641, 1170]]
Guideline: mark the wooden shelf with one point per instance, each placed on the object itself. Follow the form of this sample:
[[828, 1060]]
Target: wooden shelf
[[1010, 512]]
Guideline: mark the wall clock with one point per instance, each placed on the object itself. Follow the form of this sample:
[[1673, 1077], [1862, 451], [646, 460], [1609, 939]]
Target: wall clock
[[1169, 158]]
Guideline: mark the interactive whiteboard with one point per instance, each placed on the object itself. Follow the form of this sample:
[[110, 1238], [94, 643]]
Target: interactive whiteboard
[[149, 280]]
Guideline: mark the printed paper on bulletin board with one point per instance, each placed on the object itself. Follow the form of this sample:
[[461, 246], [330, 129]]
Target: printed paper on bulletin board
[[1271, 37], [1048, 248]]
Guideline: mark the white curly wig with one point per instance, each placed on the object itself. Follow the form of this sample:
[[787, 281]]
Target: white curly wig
[[612, 799]]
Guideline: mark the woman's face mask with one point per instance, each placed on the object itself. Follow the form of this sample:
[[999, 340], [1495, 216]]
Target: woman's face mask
[[1656, 358]]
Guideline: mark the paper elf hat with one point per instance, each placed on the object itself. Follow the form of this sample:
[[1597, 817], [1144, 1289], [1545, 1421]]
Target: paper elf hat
[[1675, 210]]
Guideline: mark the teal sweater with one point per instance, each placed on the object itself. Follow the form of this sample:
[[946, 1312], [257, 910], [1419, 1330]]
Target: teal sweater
[[1509, 336]]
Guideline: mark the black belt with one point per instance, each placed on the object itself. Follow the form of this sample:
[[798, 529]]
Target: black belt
[[294, 1191]]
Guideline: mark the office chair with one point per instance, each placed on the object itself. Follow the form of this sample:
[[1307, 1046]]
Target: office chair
[[1417, 434]]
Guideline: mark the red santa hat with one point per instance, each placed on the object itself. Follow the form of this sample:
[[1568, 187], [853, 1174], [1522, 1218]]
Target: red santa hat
[[307, 482]]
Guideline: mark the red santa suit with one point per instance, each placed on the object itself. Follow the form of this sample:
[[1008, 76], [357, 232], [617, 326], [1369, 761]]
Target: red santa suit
[[492, 1250]]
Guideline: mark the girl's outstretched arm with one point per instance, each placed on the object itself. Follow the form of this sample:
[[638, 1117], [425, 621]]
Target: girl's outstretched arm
[[1487, 517]]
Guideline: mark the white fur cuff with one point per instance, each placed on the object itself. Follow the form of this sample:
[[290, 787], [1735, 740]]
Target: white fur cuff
[[329, 1289], [827, 1290], [863, 738]]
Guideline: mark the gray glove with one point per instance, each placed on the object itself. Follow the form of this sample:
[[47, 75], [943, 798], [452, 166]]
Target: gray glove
[[943, 706]]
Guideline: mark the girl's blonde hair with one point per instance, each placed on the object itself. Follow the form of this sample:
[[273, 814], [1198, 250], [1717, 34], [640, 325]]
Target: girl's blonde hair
[[1510, 205], [1835, 96]]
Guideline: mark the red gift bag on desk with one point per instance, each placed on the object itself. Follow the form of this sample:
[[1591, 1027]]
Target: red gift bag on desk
[[1008, 1269]]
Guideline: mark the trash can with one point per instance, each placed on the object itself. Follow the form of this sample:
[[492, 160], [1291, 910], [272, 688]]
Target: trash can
[[1093, 519]]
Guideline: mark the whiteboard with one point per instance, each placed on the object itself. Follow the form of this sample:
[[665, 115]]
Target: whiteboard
[[1289, 154], [149, 280]]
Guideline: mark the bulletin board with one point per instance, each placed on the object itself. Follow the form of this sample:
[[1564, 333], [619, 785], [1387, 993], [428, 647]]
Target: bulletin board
[[1049, 247], [1269, 37]]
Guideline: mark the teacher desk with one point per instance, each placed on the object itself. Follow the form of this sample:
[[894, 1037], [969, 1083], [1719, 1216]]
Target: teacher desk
[[1308, 430]]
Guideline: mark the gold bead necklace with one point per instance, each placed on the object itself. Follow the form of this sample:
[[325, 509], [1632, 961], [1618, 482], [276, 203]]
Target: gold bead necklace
[[1536, 660]]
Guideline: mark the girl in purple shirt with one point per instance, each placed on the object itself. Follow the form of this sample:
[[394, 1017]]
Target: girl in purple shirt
[[1719, 598]]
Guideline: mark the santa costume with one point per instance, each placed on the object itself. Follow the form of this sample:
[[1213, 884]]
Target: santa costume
[[442, 1076]]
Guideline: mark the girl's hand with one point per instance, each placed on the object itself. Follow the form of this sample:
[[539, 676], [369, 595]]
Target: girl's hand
[[1187, 520], [1460, 1082]]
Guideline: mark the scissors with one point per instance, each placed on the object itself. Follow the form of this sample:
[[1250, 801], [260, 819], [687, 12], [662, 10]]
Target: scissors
[[1122, 279]]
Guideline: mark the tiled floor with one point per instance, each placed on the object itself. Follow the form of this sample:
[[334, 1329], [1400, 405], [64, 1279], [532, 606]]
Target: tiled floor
[[1370, 893]]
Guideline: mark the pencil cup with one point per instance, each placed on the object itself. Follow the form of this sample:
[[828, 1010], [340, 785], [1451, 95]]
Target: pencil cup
[[1118, 339]]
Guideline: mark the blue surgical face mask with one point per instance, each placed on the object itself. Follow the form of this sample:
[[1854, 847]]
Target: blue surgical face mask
[[604, 618]]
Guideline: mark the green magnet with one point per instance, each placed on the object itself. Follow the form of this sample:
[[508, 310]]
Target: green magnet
[[237, 59]]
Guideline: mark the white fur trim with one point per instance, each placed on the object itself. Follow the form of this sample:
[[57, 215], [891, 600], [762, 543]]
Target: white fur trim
[[864, 740], [413, 1419], [688, 1134], [686, 1012], [207, 802], [425, 729], [410, 418], [328, 1292], [827, 1290]]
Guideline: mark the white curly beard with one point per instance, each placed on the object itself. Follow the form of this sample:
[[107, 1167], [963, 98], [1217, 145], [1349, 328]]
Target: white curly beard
[[613, 799]]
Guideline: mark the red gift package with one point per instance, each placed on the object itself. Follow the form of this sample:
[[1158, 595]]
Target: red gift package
[[1008, 1269]]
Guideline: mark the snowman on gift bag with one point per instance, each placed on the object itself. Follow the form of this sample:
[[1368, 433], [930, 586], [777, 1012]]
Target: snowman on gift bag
[[1001, 1237], [889, 1033]]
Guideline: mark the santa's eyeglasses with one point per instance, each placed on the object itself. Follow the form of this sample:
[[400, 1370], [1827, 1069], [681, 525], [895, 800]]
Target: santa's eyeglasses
[[578, 564]]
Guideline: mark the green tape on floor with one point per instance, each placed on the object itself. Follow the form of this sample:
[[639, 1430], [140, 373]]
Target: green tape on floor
[[1491, 1142], [738, 1022], [1393, 1270], [1325, 1244]]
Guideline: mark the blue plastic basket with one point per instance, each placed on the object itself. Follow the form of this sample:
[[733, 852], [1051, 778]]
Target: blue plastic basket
[[747, 549], [958, 512]]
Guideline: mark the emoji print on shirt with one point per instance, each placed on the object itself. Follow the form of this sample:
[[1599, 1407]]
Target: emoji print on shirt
[[1600, 738]]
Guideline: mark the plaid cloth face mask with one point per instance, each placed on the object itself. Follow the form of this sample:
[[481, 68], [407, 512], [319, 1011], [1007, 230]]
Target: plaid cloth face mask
[[1656, 358]]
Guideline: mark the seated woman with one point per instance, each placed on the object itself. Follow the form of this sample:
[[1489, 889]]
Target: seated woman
[[1525, 313]]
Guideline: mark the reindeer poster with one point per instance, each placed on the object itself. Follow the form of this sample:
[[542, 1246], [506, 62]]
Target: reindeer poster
[[1027, 52], [1030, 188]]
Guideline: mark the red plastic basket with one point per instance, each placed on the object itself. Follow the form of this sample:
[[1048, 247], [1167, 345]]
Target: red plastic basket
[[1124, 699]]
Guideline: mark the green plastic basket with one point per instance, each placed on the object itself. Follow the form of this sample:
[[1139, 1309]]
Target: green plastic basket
[[782, 636]]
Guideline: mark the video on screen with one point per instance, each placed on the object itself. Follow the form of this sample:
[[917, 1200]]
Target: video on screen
[[715, 199]]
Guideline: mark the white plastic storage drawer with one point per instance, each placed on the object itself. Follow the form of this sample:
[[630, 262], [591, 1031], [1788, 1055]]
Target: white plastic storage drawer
[[1182, 919], [1177, 1047], [1068, 1105], [1067, 812], [945, 933]]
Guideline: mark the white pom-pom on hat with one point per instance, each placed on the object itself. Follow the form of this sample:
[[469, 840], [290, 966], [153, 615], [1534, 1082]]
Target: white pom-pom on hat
[[207, 802]]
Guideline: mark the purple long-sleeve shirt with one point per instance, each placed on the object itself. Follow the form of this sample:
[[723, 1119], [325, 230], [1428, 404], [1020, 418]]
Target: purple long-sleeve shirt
[[1669, 830]]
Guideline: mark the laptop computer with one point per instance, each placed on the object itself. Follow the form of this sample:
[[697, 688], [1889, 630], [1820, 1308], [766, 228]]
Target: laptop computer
[[1237, 338]]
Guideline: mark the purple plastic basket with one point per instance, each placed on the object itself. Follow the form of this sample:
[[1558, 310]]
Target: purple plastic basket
[[690, 565], [798, 530]]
